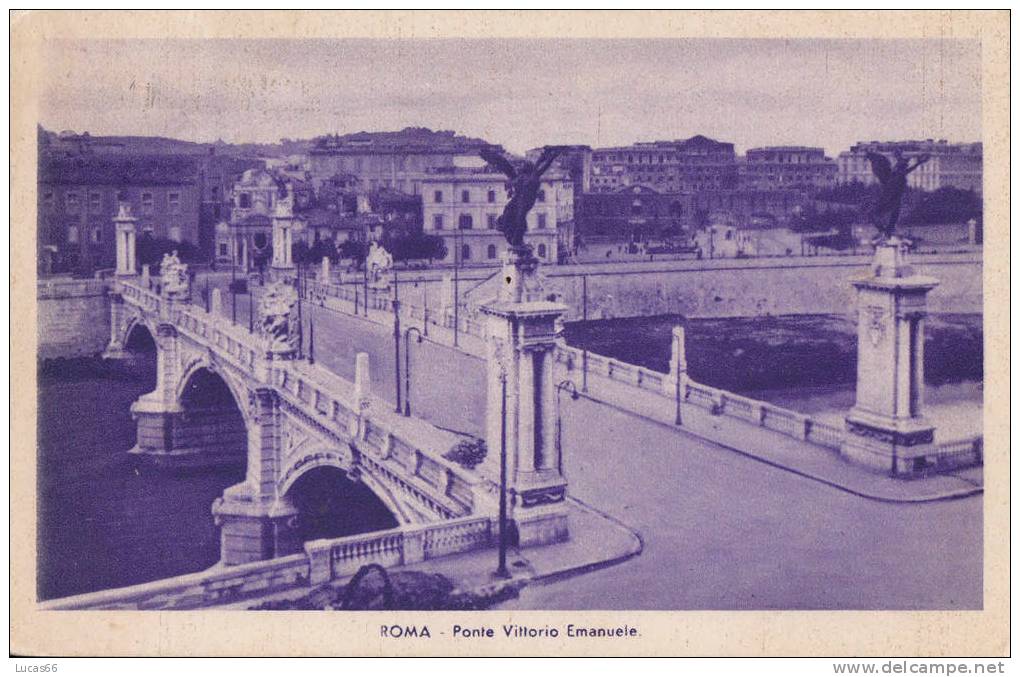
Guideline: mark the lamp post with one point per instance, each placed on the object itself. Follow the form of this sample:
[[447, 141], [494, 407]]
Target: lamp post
[[574, 395], [396, 340], [364, 266], [501, 570], [407, 367], [584, 317], [233, 285], [251, 312], [456, 286], [311, 338], [425, 311]]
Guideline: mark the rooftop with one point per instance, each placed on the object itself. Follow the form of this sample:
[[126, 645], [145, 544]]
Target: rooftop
[[409, 139], [118, 170]]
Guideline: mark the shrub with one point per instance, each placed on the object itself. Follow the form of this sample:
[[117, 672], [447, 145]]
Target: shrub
[[467, 453]]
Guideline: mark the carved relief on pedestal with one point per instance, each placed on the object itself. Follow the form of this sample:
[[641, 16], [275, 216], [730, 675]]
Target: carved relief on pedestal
[[876, 323]]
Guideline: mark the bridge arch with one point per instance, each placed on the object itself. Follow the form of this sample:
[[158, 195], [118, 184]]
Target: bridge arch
[[332, 499], [213, 422], [199, 364]]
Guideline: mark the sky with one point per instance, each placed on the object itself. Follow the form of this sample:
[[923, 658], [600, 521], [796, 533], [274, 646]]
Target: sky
[[520, 93]]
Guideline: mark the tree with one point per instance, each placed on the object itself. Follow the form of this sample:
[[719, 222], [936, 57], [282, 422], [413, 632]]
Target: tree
[[415, 246], [946, 205]]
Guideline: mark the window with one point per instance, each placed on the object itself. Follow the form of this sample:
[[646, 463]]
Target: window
[[122, 196], [244, 200], [174, 201], [492, 221], [97, 235], [465, 221], [437, 221], [491, 251], [223, 248], [541, 196], [541, 251], [465, 196], [146, 203], [491, 196], [541, 221], [636, 208], [72, 234], [95, 202], [71, 203], [465, 252], [47, 199], [437, 197]]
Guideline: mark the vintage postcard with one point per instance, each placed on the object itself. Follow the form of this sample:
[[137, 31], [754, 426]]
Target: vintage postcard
[[510, 333]]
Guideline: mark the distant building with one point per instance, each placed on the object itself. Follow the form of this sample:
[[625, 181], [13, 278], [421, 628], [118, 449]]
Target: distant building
[[681, 166], [576, 161], [785, 167], [462, 205], [394, 160], [631, 214], [742, 206], [79, 195], [957, 165]]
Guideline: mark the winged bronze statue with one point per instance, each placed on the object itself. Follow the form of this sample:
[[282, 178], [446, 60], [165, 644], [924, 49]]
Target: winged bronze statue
[[893, 179], [523, 184]]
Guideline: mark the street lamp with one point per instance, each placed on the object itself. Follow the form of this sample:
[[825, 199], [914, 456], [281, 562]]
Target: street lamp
[[233, 285], [584, 318], [574, 395], [457, 235], [407, 367], [396, 339], [501, 570]]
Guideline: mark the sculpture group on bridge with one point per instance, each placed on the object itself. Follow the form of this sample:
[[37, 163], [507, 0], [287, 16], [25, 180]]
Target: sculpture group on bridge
[[277, 324], [173, 275]]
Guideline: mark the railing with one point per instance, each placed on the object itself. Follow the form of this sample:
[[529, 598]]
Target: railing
[[330, 559], [958, 453], [216, 586], [715, 400], [48, 288]]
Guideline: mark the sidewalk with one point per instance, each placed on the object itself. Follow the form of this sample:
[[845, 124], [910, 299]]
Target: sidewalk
[[780, 451], [596, 541]]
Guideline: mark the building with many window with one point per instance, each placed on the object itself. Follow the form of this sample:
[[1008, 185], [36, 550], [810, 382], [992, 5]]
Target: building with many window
[[462, 205], [681, 166], [79, 194], [957, 165], [395, 160], [785, 167]]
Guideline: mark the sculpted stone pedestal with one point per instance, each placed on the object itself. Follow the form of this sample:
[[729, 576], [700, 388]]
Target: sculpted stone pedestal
[[521, 336], [886, 428]]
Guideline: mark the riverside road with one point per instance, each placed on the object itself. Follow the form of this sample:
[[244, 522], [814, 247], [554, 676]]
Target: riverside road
[[721, 531]]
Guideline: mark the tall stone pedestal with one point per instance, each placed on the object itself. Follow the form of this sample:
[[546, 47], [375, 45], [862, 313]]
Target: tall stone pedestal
[[521, 335], [886, 428]]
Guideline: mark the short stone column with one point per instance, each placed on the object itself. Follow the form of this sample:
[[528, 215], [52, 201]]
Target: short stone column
[[521, 331], [124, 225], [215, 301], [325, 270], [887, 429], [676, 380]]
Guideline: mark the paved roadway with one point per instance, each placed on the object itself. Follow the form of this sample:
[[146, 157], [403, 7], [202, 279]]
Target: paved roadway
[[721, 531]]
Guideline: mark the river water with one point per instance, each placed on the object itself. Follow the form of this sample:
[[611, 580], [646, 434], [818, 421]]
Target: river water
[[105, 521]]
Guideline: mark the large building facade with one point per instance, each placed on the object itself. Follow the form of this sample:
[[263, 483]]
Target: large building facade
[[956, 165], [462, 205], [688, 165], [785, 167], [392, 160], [80, 194]]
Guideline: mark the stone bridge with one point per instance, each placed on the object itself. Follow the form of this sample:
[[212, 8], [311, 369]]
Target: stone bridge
[[221, 397]]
